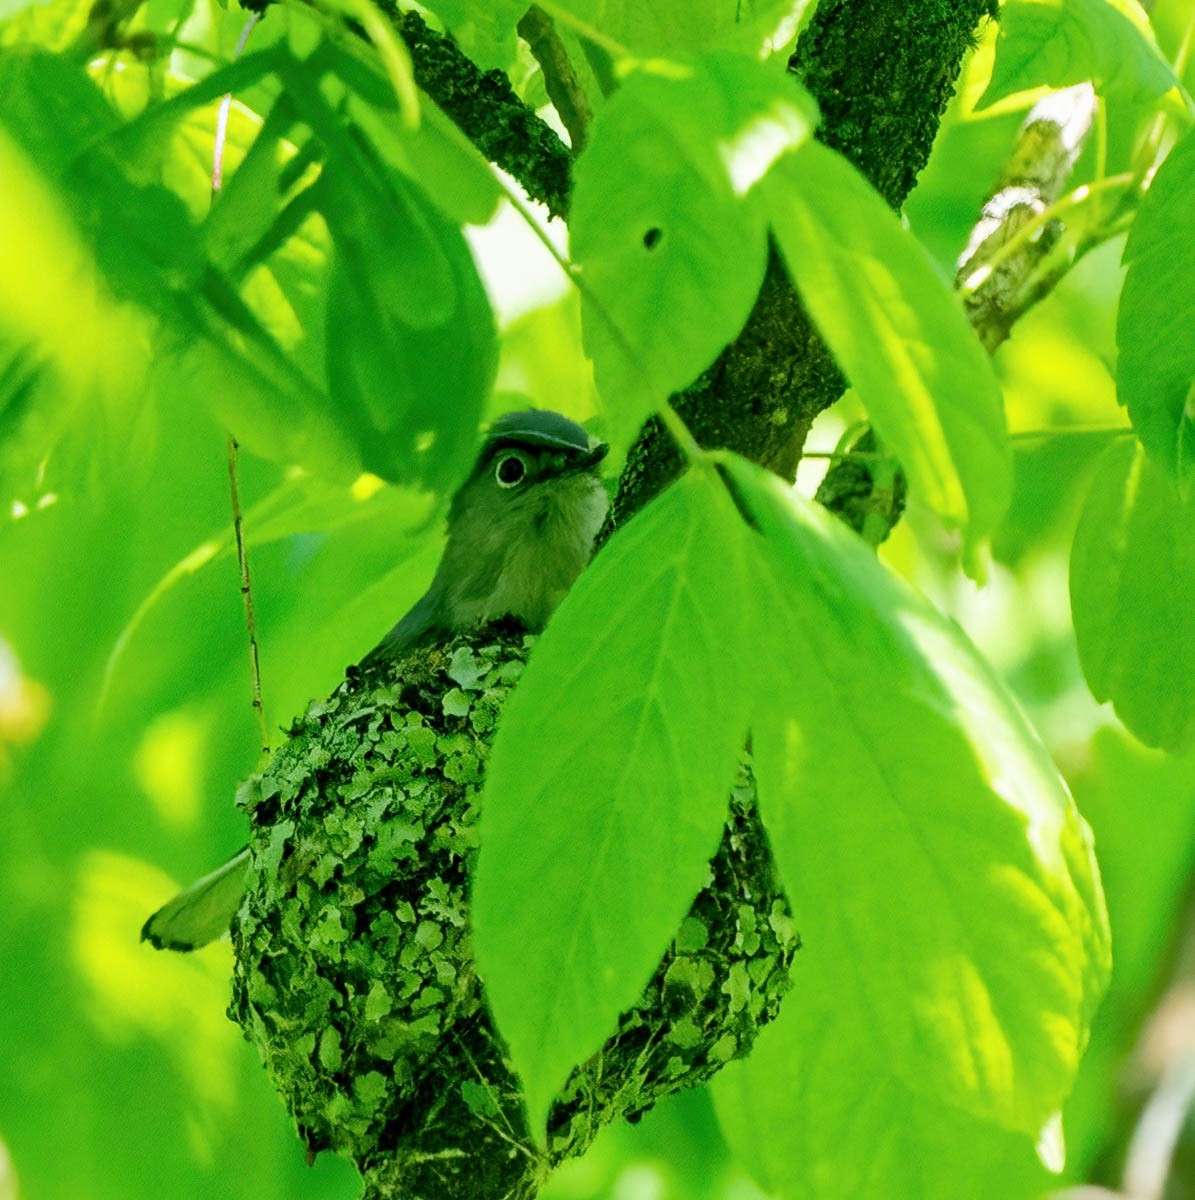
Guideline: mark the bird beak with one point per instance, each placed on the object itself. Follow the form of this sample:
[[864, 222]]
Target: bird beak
[[591, 457]]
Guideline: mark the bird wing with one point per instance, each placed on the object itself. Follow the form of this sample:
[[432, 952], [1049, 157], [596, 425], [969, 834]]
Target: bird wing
[[202, 912]]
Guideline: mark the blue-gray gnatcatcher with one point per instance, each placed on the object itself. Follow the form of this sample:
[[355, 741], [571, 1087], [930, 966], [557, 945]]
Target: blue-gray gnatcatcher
[[520, 529]]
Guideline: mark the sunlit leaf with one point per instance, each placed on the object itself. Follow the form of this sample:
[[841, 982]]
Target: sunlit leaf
[[608, 784], [1063, 42], [302, 504], [53, 25], [954, 936], [1132, 576], [1155, 373], [484, 29], [898, 333], [670, 246], [675, 28], [72, 359], [887, 1139], [1146, 869]]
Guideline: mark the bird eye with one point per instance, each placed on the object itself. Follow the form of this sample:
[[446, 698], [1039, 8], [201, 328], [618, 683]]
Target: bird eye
[[510, 470]]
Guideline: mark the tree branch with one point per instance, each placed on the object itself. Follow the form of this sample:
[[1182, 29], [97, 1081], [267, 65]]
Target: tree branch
[[882, 72], [488, 111]]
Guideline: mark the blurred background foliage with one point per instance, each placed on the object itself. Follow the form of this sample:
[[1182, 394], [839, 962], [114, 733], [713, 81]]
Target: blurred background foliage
[[125, 717]]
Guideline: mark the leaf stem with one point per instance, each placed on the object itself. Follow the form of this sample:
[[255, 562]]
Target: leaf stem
[[686, 443]]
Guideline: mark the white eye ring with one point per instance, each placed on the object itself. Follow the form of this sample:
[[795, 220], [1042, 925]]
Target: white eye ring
[[510, 470]]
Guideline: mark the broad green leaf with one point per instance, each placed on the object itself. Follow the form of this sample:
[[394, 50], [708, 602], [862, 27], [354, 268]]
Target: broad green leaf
[[70, 347], [670, 244], [607, 787], [435, 154], [768, 27], [664, 28], [140, 232], [882, 1140], [484, 29], [1141, 806], [411, 343], [898, 334], [675, 28], [51, 24], [1132, 578], [954, 936], [301, 504], [72, 356], [1155, 334], [1058, 43]]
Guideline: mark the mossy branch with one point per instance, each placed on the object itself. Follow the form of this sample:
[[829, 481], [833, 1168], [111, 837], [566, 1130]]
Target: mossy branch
[[489, 112], [882, 72]]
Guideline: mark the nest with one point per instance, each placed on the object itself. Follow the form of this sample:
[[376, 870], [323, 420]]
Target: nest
[[354, 975]]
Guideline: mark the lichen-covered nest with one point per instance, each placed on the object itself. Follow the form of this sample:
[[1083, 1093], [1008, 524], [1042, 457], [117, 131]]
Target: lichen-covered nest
[[354, 975]]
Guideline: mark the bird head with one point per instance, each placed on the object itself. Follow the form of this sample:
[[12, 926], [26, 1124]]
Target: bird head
[[522, 526]]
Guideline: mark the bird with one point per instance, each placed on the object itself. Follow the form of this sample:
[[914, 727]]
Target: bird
[[520, 529]]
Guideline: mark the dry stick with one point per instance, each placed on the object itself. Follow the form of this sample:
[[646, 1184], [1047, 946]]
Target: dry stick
[[238, 529]]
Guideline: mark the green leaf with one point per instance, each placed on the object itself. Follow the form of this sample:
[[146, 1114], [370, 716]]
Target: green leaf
[[411, 343], [1132, 577], [484, 29], [71, 358], [886, 1140], [662, 28], [301, 504], [954, 936], [1141, 806], [1155, 374], [670, 245], [1058, 43], [53, 25], [435, 154], [898, 333], [595, 841], [676, 28]]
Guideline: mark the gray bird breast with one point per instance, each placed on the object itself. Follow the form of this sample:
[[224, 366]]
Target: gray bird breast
[[354, 975]]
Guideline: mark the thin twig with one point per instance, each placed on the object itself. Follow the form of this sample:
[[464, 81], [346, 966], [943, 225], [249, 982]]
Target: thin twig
[[222, 114], [234, 491], [247, 596]]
